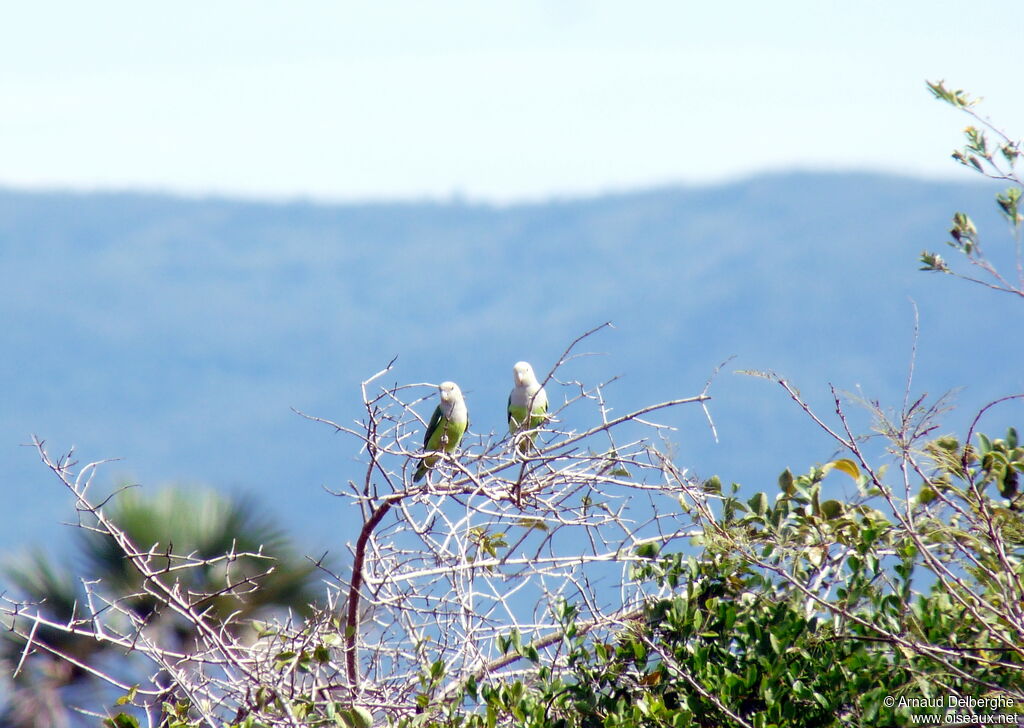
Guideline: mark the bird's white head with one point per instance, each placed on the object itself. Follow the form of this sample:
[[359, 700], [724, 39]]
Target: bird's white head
[[522, 374], [450, 392]]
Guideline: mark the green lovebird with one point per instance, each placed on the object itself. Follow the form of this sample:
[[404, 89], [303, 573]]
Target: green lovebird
[[447, 426], [527, 397]]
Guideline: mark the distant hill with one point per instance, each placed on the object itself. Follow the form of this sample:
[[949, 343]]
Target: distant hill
[[176, 333]]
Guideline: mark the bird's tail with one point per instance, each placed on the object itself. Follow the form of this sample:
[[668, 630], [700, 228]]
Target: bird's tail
[[425, 464]]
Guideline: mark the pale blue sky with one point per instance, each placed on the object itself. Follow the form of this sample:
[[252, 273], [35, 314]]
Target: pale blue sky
[[342, 100]]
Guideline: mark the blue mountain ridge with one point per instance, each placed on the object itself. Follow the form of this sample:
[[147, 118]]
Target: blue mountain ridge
[[176, 333]]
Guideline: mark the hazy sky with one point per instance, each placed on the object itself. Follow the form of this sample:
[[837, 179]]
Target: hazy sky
[[341, 100]]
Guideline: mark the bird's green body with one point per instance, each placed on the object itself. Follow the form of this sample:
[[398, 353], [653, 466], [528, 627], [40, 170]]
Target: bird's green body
[[517, 416]]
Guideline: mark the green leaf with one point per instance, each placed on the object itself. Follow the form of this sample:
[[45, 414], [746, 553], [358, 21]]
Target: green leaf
[[1008, 482], [332, 639], [758, 503], [927, 495], [128, 697], [843, 465], [283, 659], [933, 262], [532, 523], [957, 98], [831, 509], [361, 717], [1009, 202], [121, 720], [647, 551], [437, 669], [786, 481]]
